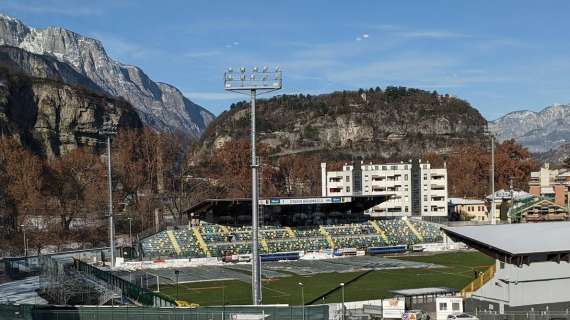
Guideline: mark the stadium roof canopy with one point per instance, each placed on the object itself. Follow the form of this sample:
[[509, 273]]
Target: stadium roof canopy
[[286, 211], [517, 244]]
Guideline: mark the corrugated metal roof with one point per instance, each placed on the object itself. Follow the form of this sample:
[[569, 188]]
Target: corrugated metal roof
[[517, 239]]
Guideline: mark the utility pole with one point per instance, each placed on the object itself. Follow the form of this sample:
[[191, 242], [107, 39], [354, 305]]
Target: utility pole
[[252, 83]]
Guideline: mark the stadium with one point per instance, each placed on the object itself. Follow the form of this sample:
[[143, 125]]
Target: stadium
[[325, 245]]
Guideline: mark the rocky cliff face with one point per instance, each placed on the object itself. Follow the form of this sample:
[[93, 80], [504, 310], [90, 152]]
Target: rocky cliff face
[[160, 105], [19, 60], [53, 118], [539, 131], [395, 123]]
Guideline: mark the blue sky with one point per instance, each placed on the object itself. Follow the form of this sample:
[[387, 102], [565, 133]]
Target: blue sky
[[501, 56]]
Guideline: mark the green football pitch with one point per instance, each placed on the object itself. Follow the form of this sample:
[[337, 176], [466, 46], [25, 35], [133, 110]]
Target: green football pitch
[[458, 270]]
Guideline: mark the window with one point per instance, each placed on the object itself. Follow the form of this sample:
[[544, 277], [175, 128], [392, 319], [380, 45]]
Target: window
[[405, 177], [384, 168], [425, 176], [455, 306], [443, 306], [425, 198], [394, 167], [347, 189], [375, 167], [347, 178], [406, 209]]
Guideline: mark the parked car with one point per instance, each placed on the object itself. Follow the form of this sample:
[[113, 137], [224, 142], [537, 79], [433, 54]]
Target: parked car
[[415, 315], [462, 316]]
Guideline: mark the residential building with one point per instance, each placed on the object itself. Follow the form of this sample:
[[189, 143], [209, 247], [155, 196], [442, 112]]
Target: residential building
[[539, 210], [503, 202], [468, 209], [417, 190], [551, 184]]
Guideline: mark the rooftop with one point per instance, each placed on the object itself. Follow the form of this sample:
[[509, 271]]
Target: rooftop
[[460, 201], [517, 243], [424, 291]]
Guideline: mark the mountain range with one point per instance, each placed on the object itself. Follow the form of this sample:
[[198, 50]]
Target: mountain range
[[159, 105], [542, 131]]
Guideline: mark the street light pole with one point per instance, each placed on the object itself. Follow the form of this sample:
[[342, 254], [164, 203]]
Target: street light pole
[[301, 286], [177, 292], [130, 232], [494, 205], [254, 82], [342, 298], [25, 242]]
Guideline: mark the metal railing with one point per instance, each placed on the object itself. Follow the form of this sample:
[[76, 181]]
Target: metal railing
[[129, 289]]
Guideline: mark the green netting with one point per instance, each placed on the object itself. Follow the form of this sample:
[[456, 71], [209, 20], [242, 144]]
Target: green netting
[[35, 312]]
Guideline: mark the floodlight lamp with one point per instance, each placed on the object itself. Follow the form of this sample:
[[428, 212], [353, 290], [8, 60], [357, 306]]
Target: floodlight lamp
[[252, 77], [265, 69], [255, 69], [230, 70], [242, 69]]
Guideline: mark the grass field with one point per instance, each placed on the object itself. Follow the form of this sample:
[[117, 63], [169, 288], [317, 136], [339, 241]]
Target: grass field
[[457, 273]]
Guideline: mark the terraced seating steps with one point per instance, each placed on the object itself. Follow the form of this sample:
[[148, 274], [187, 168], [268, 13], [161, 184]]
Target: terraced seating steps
[[217, 240]]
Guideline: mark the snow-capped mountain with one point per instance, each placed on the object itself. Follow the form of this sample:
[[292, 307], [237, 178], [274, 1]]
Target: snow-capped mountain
[[160, 105], [538, 131]]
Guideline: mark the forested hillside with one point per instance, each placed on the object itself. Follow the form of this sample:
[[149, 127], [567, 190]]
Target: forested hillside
[[395, 123]]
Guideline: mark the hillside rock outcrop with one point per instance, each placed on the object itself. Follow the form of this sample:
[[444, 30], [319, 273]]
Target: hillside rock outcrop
[[52, 118]]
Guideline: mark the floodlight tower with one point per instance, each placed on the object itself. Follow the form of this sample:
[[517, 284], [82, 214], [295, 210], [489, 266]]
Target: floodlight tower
[[108, 131], [253, 82]]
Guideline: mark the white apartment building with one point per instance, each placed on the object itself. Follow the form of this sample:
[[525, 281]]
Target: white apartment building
[[417, 190]]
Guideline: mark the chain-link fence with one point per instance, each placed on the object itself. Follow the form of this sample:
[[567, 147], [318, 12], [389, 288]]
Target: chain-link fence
[[36, 312]]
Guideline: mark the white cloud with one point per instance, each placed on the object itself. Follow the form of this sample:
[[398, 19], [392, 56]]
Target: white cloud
[[215, 95], [365, 36], [431, 34], [124, 50]]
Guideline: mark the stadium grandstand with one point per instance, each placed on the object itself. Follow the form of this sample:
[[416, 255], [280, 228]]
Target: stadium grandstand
[[213, 240]]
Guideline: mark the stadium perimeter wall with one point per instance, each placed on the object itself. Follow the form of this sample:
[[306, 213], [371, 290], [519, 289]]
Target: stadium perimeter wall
[[36, 312]]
